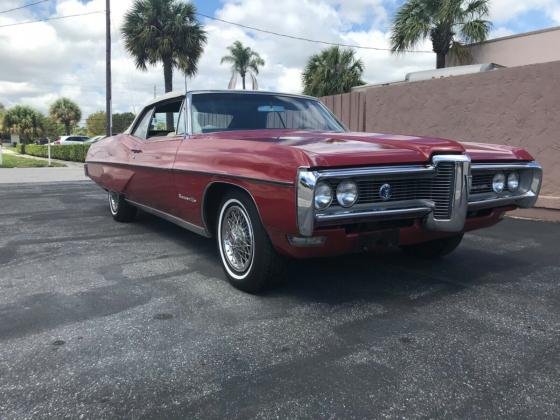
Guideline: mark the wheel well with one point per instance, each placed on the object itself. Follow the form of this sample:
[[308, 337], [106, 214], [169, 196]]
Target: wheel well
[[212, 200]]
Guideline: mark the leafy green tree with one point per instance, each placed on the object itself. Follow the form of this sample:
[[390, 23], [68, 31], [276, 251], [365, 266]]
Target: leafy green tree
[[122, 121], [51, 129], [164, 31], [449, 24], [80, 131], [2, 112], [66, 112], [243, 61], [95, 124], [23, 121], [332, 71]]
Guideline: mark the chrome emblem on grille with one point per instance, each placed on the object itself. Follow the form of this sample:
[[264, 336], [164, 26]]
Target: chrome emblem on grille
[[385, 192]]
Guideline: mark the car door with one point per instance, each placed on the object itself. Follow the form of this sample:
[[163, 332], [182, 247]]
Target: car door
[[153, 146]]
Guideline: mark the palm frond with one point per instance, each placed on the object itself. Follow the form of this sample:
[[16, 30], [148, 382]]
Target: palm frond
[[164, 30], [243, 60], [233, 81], [445, 22], [475, 30]]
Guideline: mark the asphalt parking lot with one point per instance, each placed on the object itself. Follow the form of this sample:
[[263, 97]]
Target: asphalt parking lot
[[103, 320]]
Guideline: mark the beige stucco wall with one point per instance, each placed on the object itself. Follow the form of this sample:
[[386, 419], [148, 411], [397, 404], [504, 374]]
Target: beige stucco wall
[[517, 106], [518, 50]]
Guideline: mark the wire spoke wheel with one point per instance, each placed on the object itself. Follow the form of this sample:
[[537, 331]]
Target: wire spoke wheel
[[114, 202], [238, 242]]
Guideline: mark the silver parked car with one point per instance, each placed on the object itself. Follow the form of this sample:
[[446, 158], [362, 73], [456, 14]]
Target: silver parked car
[[72, 140]]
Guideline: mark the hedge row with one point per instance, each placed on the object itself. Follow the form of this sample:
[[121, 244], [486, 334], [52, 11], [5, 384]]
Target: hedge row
[[73, 152]]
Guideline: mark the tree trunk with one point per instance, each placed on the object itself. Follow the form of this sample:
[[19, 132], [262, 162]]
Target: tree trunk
[[168, 77], [440, 61], [243, 80], [67, 128]]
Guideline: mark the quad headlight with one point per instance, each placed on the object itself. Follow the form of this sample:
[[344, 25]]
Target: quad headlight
[[499, 182], [323, 196], [513, 181], [347, 193]]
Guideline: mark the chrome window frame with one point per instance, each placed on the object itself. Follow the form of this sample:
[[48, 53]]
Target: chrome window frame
[[190, 94]]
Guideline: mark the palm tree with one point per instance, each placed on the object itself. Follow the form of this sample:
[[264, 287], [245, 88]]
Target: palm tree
[[66, 112], [243, 61], [23, 121], [166, 31], [449, 24], [332, 71]]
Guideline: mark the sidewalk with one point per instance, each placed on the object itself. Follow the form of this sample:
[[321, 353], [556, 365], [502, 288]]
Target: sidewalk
[[27, 175]]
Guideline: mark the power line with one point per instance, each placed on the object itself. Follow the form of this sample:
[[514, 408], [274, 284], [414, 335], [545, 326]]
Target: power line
[[252, 28], [51, 18], [24, 6]]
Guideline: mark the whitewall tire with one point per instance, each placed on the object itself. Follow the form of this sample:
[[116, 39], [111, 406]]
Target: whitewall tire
[[246, 253]]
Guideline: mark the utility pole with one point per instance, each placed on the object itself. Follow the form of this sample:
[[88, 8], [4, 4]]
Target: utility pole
[[108, 94]]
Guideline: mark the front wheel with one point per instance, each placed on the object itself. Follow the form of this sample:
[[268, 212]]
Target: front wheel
[[121, 210], [249, 260], [434, 249]]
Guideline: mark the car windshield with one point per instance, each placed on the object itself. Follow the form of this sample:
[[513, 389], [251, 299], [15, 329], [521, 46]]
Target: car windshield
[[212, 112]]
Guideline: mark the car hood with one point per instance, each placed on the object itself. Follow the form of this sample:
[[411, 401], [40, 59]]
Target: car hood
[[349, 149], [326, 149]]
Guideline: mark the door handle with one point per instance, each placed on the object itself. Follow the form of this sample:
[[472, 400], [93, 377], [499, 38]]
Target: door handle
[[136, 150]]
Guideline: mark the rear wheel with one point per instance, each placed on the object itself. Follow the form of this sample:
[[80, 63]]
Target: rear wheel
[[249, 260], [434, 249], [121, 210]]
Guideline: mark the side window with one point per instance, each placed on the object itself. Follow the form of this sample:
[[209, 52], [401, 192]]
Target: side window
[[141, 129], [180, 128], [165, 118]]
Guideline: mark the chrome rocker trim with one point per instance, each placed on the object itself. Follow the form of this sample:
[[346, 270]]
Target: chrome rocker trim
[[173, 219]]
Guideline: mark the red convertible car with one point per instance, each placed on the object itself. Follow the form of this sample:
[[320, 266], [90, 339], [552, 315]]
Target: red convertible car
[[273, 175]]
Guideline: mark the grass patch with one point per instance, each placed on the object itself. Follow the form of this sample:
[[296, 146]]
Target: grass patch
[[12, 161]]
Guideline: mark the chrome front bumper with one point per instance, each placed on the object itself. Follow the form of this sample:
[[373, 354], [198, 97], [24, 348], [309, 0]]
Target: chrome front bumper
[[460, 201]]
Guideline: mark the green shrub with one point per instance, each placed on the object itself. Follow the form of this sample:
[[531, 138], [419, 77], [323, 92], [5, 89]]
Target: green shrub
[[73, 152], [20, 148]]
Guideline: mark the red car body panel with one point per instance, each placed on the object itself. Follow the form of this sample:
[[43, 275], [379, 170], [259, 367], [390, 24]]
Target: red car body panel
[[174, 174]]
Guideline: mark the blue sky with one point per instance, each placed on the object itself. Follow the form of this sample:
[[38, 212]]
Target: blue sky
[[44, 61], [528, 21]]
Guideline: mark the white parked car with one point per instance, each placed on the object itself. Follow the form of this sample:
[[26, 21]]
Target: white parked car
[[94, 139], [71, 140]]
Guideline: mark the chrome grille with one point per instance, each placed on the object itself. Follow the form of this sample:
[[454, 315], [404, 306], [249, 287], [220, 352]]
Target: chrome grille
[[482, 182], [436, 188]]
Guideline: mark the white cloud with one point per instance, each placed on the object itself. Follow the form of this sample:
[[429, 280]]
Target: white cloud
[[42, 61], [503, 10]]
